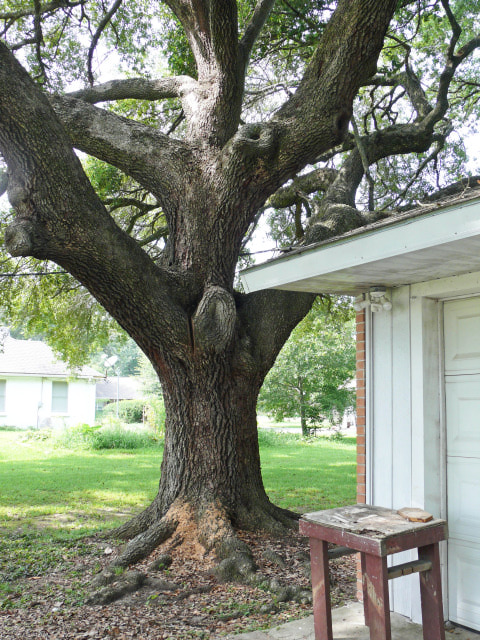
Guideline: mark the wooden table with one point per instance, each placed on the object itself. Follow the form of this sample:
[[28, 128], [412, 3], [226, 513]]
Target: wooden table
[[375, 532]]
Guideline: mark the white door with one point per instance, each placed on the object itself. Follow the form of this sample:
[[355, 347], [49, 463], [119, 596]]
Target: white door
[[462, 390]]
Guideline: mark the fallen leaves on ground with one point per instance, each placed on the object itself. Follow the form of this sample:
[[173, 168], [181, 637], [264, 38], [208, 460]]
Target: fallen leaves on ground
[[49, 607]]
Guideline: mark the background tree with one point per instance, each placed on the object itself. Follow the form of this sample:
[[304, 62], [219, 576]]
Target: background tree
[[255, 114], [311, 373]]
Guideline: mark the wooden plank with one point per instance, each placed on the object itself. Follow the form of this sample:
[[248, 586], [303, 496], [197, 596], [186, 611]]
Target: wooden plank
[[339, 552], [376, 587], [407, 568], [431, 595], [412, 514]]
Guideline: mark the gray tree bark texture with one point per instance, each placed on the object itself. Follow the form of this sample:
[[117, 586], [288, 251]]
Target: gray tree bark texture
[[210, 346]]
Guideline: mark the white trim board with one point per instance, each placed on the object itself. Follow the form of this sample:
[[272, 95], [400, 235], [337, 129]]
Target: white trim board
[[439, 244]]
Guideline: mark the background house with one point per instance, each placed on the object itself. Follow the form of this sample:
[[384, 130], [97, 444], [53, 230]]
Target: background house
[[38, 390], [115, 389], [416, 276]]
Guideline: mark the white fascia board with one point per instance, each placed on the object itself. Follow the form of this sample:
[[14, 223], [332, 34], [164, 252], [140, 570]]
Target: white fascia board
[[413, 234]]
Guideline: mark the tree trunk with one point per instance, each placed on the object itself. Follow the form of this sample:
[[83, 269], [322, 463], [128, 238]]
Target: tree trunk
[[303, 417], [210, 475], [211, 347]]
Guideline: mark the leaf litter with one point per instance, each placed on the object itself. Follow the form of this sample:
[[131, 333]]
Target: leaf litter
[[52, 606]]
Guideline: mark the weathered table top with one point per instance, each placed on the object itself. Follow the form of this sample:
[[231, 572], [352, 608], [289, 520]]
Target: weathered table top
[[371, 529]]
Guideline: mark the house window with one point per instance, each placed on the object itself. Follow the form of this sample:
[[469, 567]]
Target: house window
[[59, 397], [3, 388]]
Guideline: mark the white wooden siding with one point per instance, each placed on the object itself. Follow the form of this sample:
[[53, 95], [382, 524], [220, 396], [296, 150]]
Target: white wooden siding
[[28, 403]]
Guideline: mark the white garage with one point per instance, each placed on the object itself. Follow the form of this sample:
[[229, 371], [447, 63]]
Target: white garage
[[416, 277]]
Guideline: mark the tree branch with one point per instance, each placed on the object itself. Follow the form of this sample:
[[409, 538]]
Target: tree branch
[[96, 36], [319, 112], [269, 317], [259, 17], [213, 110], [59, 217], [316, 180], [456, 28], [153, 159], [37, 26], [136, 88], [49, 7]]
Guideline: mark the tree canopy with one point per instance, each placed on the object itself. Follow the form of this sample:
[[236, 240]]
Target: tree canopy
[[411, 118], [312, 375], [195, 118]]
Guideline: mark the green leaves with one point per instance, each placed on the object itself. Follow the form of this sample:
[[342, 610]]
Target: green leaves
[[311, 374]]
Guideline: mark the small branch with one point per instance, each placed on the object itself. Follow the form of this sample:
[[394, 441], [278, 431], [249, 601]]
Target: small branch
[[432, 156], [37, 25], [22, 43], [176, 123], [162, 232], [119, 203], [365, 163], [254, 27], [136, 88], [46, 8], [96, 36], [456, 28], [467, 49], [299, 231], [316, 180]]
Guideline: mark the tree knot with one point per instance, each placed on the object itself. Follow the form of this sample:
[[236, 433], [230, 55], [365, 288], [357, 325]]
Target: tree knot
[[256, 140], [24, 238], [214, 320]]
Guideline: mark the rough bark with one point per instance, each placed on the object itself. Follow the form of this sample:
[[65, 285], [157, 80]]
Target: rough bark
[[210, 346]]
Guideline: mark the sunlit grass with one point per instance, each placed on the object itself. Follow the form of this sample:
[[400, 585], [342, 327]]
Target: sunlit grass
[[97, 489], [52, 497], [309, 476]]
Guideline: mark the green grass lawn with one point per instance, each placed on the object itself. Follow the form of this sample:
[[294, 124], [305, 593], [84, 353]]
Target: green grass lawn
[[300, 475], [83, 489], [52, 496], [72, 488]]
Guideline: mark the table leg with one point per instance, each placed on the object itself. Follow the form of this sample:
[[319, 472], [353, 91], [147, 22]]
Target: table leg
[[375, 581], [431, 594], [364, 588], [322, 612]]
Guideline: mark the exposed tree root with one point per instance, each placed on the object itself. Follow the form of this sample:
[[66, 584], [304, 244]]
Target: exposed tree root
[[206, 533], [209, 526], [136, 525], [147, 541]]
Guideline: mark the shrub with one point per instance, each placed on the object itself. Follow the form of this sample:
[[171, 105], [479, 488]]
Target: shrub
[[129, 411], [79, 435], [119, 438], [155, 414], [39, 435], [270, 438]]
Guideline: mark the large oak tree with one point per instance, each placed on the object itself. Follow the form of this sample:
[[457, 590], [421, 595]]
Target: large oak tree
[[203, 181]]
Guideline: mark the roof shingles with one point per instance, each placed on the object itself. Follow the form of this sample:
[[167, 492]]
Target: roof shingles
[[35, 358]]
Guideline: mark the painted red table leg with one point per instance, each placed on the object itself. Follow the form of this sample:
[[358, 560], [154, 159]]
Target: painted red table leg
[[322, 614], [376, 585], [431, 594], [364, 589]]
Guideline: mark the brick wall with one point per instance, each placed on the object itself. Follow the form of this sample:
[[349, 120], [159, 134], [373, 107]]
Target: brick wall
[[361, 425]]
